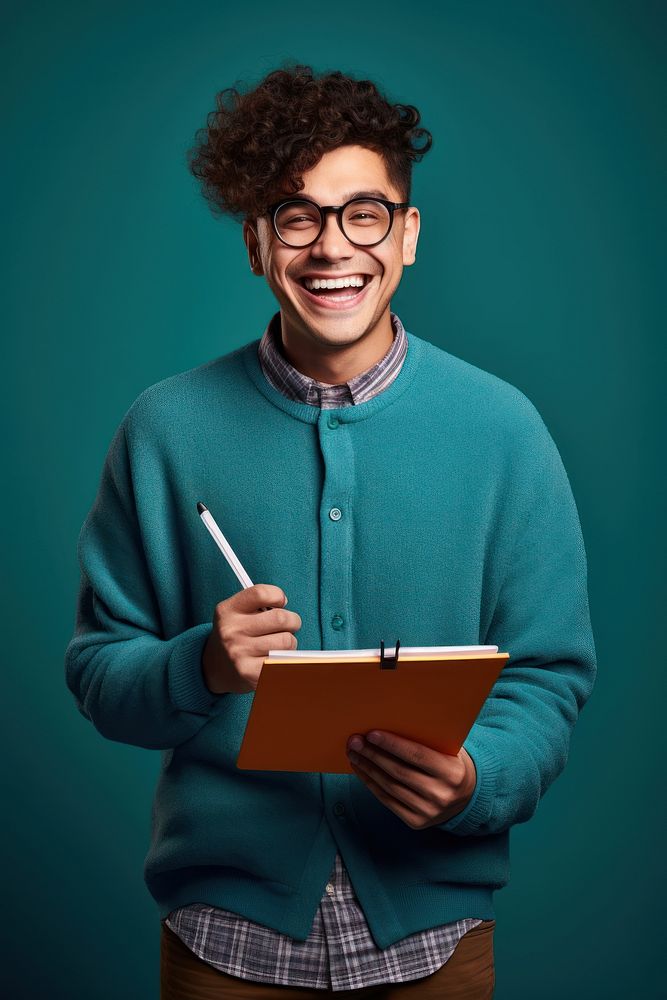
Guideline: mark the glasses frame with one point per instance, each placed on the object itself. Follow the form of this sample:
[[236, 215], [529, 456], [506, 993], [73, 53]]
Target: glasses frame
[[324, 210]]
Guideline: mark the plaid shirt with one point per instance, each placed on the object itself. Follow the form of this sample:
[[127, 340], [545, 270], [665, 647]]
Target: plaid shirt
[[293, 384], [339, 953]]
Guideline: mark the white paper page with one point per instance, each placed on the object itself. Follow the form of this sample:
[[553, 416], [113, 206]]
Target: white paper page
[[341, 654]]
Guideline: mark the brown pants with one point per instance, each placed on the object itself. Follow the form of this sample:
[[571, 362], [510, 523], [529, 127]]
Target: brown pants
[[468, 975]]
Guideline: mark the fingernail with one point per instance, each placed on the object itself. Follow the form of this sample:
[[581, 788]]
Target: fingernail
[[356, 743]]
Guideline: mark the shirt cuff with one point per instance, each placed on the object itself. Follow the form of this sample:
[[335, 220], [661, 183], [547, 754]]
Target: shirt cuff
[[187, 687], [476, 813]]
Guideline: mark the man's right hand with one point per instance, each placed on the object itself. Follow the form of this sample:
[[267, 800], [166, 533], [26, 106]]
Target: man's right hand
[[245, 627]]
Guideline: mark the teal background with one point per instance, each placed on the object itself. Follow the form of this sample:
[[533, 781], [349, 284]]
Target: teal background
[[539, 260]]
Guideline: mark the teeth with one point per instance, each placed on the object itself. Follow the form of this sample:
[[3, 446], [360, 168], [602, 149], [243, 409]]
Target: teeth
[[354, 281]]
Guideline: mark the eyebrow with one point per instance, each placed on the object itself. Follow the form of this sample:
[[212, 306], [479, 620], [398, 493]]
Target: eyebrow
[[351, 194], [365, 194]]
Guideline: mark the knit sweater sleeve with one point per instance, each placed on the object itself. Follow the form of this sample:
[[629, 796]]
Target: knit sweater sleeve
[[520, 741], [134, 684]]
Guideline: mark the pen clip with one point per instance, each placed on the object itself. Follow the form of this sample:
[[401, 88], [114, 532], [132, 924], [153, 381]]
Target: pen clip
[[389, 662]]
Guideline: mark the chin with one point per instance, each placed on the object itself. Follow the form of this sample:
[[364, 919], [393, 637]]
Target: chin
[[339, 327], [338, 332]]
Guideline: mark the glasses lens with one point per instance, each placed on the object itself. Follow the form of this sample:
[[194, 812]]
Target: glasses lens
[[366, 221], [298, 223]]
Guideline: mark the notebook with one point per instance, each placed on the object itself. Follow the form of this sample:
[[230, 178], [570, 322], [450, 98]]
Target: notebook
[[309, 702]]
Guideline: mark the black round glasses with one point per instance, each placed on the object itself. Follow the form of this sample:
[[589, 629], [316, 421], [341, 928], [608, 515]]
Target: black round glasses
[[365, 222]]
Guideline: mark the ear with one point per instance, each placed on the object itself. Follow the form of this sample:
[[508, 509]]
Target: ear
[[410, 234], [251, 241]]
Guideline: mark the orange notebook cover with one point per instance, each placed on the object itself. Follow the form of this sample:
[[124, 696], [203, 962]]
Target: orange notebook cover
[[305, 709]]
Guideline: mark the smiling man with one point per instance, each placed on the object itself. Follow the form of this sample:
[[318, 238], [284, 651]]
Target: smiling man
[[333, 258], [391, 490]]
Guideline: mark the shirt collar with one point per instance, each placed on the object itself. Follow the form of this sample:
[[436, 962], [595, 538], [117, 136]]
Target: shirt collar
[[294, 384]]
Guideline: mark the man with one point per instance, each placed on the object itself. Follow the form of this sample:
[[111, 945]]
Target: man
[[389, 490]]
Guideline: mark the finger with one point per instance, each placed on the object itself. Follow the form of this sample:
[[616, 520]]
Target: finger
[[274, 620], [409, 816], [278, 641], [419, 756], [394, 767], [260, 595], [413, 796]]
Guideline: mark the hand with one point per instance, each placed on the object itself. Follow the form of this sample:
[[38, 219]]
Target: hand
[[245, 627], [422, 786]]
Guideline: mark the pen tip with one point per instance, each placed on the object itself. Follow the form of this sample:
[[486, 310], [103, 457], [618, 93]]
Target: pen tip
[[201, 507]]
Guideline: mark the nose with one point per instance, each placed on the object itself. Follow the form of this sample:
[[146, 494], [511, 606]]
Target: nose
[[332, 244]]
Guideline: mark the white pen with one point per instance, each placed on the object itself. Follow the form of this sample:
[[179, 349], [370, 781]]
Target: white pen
[[223, 545]]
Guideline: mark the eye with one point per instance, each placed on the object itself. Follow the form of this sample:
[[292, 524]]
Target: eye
[[362, 216], [295, 220], [297, 216], [366, 213]]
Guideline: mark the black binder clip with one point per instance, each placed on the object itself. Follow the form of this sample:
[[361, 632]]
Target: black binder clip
[[389, 662]]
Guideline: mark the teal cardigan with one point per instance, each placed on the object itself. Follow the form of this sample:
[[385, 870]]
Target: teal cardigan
[[458, 527]]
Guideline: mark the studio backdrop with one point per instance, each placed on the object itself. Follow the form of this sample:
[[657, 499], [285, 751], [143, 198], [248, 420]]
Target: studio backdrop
[[539, 260]]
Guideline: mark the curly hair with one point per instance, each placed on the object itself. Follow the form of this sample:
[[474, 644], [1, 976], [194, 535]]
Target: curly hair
[[261, 142]]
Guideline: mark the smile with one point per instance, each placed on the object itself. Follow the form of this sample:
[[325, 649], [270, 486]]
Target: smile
[[335, 293]]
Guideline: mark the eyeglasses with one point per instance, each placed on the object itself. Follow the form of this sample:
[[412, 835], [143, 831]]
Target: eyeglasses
[[365, 222]]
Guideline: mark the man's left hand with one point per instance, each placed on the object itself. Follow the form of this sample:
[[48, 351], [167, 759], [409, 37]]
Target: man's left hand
[[422, 786]]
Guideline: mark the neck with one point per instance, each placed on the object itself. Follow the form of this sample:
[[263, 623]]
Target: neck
[[335, 363]]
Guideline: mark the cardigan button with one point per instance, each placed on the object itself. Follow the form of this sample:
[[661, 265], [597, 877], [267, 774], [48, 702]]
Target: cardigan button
[[337, 622], [335, 513], [339, 809], [333, 422]]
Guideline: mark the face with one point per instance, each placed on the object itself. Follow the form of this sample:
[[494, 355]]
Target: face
[[351, 315]]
